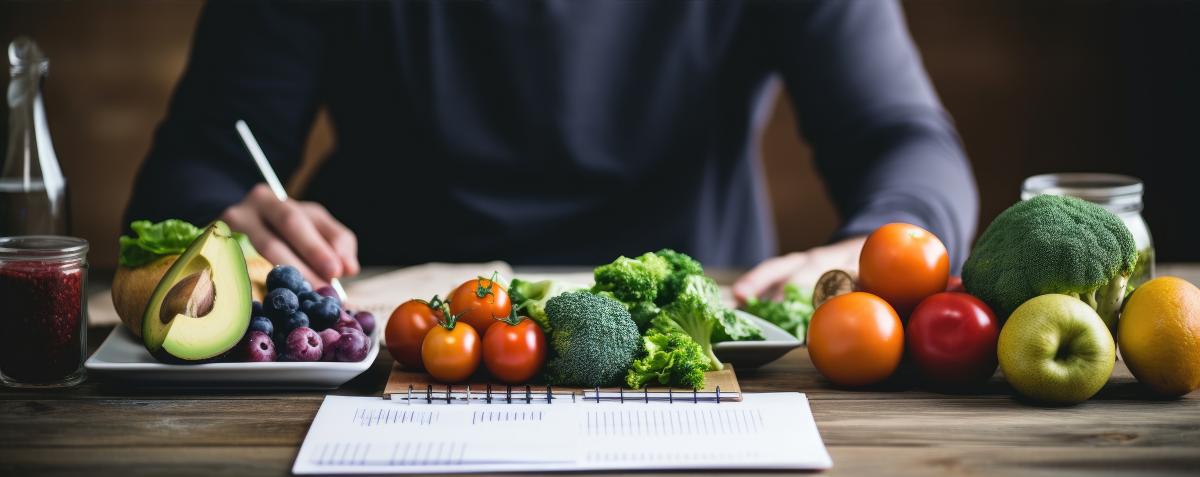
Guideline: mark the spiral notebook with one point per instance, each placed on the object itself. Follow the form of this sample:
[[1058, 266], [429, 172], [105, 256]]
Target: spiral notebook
[[371, 435]]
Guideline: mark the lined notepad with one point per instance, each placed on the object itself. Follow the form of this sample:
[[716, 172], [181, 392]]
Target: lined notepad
[[363, 435]]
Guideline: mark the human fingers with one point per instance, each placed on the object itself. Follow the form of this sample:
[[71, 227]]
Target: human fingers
[[767, 276], [289, 221], [340, 237], [246, 220]]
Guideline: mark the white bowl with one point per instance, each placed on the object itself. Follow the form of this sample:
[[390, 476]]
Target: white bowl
[[752, 354], [123, 357]]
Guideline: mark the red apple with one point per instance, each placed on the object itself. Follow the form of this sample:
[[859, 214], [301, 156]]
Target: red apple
[[951, 337]]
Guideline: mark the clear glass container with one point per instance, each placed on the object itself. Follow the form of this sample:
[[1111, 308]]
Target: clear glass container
[[1119, 194], [43, 280], [33, 191]]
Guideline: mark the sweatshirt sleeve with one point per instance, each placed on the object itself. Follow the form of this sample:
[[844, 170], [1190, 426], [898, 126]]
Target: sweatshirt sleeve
[[251, 60], [886, 148]]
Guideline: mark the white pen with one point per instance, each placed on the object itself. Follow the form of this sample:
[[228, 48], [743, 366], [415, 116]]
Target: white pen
[[268, 174]]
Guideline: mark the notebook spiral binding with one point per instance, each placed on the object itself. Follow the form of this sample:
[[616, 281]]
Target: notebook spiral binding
[[547, 395]]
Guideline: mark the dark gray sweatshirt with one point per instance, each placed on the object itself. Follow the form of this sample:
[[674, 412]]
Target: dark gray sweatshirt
[[560, 132]]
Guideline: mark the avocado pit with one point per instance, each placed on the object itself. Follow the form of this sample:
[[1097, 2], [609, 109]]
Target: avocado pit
[[193, 296]]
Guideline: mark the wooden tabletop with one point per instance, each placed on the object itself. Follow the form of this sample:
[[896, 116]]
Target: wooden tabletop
[[100, 428]]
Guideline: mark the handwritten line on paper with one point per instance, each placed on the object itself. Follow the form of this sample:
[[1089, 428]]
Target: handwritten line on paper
[[483, 417], [673, 422], [378, 416]]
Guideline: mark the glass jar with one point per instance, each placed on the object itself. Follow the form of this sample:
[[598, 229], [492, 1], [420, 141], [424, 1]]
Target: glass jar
[[1119, 194], [44, 321]]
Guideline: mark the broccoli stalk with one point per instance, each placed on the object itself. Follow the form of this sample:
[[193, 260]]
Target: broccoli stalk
[[1052, 244], [1107, 299]]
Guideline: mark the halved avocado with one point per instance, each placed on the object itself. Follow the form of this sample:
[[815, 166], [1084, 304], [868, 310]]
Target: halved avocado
[[201, 307]]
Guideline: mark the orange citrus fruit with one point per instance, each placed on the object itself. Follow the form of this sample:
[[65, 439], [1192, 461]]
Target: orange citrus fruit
[[855, 339], [1159, 335]]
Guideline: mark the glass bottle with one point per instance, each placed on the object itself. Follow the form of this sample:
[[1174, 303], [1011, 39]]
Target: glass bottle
[[33, 194], [1119, 194]]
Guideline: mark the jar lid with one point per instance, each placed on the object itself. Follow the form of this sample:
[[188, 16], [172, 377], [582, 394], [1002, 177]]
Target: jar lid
[[43, 247], [1113, 190]]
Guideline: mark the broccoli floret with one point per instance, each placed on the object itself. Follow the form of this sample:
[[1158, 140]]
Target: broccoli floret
[[697, 312], [682, 266], [671, 358], [734, 327], [1053, 244], [632, 280], [594, 339], [529, 298], [792, 313]]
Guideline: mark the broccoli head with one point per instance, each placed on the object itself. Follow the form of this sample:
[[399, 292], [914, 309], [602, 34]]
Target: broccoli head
[[1053, 244], [633, 279], [529, 298], [681, 266], [697, 312], [594, 339], [671, 358]]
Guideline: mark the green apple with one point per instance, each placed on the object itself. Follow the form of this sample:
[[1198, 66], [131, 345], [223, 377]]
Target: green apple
[[1056, 349]]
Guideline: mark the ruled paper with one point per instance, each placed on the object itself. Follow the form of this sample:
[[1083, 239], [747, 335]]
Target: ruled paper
[[356, 435]]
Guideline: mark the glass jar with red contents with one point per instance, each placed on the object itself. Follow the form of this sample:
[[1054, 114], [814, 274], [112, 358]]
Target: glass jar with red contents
[[43, 322]]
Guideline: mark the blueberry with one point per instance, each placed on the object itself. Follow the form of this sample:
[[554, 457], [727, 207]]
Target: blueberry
[[258, 347], [324, 312], [263, 324], [352, 346], [308, 296], [281, 302], [304, 344], [256, 308], [366, 319], [285, 276], [296, 320]]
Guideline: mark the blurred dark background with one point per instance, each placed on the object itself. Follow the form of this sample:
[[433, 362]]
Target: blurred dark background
[[1034, 86]]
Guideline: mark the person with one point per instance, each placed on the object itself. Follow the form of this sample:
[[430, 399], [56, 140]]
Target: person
[[553, 132]]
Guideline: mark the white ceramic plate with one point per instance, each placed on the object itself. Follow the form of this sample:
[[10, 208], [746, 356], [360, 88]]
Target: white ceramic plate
[[123, 357], [752, 354]]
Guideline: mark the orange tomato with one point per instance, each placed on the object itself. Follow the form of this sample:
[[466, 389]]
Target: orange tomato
[[452, 352], [855, 339], [903, 264], [479, 302]]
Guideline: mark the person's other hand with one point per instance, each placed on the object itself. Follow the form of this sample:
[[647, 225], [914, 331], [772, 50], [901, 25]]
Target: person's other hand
[[768, 278], [294, 232]]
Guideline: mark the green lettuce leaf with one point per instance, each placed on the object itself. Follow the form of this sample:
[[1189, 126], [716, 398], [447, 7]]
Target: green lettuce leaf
[[154, 240]]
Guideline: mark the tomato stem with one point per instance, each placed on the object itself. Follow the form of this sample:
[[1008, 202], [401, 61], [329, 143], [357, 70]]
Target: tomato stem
[[450, 319], [513, 319], [482, 291]]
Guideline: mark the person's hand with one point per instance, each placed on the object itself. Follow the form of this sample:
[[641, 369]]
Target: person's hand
[[298, 233], [768, 278]]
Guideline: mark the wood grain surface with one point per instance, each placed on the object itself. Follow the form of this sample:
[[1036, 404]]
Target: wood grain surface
[[897, 428]]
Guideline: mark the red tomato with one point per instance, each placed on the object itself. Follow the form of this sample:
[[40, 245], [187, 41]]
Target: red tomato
[[480, 302], [451, 352], [406, 330], [952, 339], [855, 339], [903, 264], [514, 353]]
